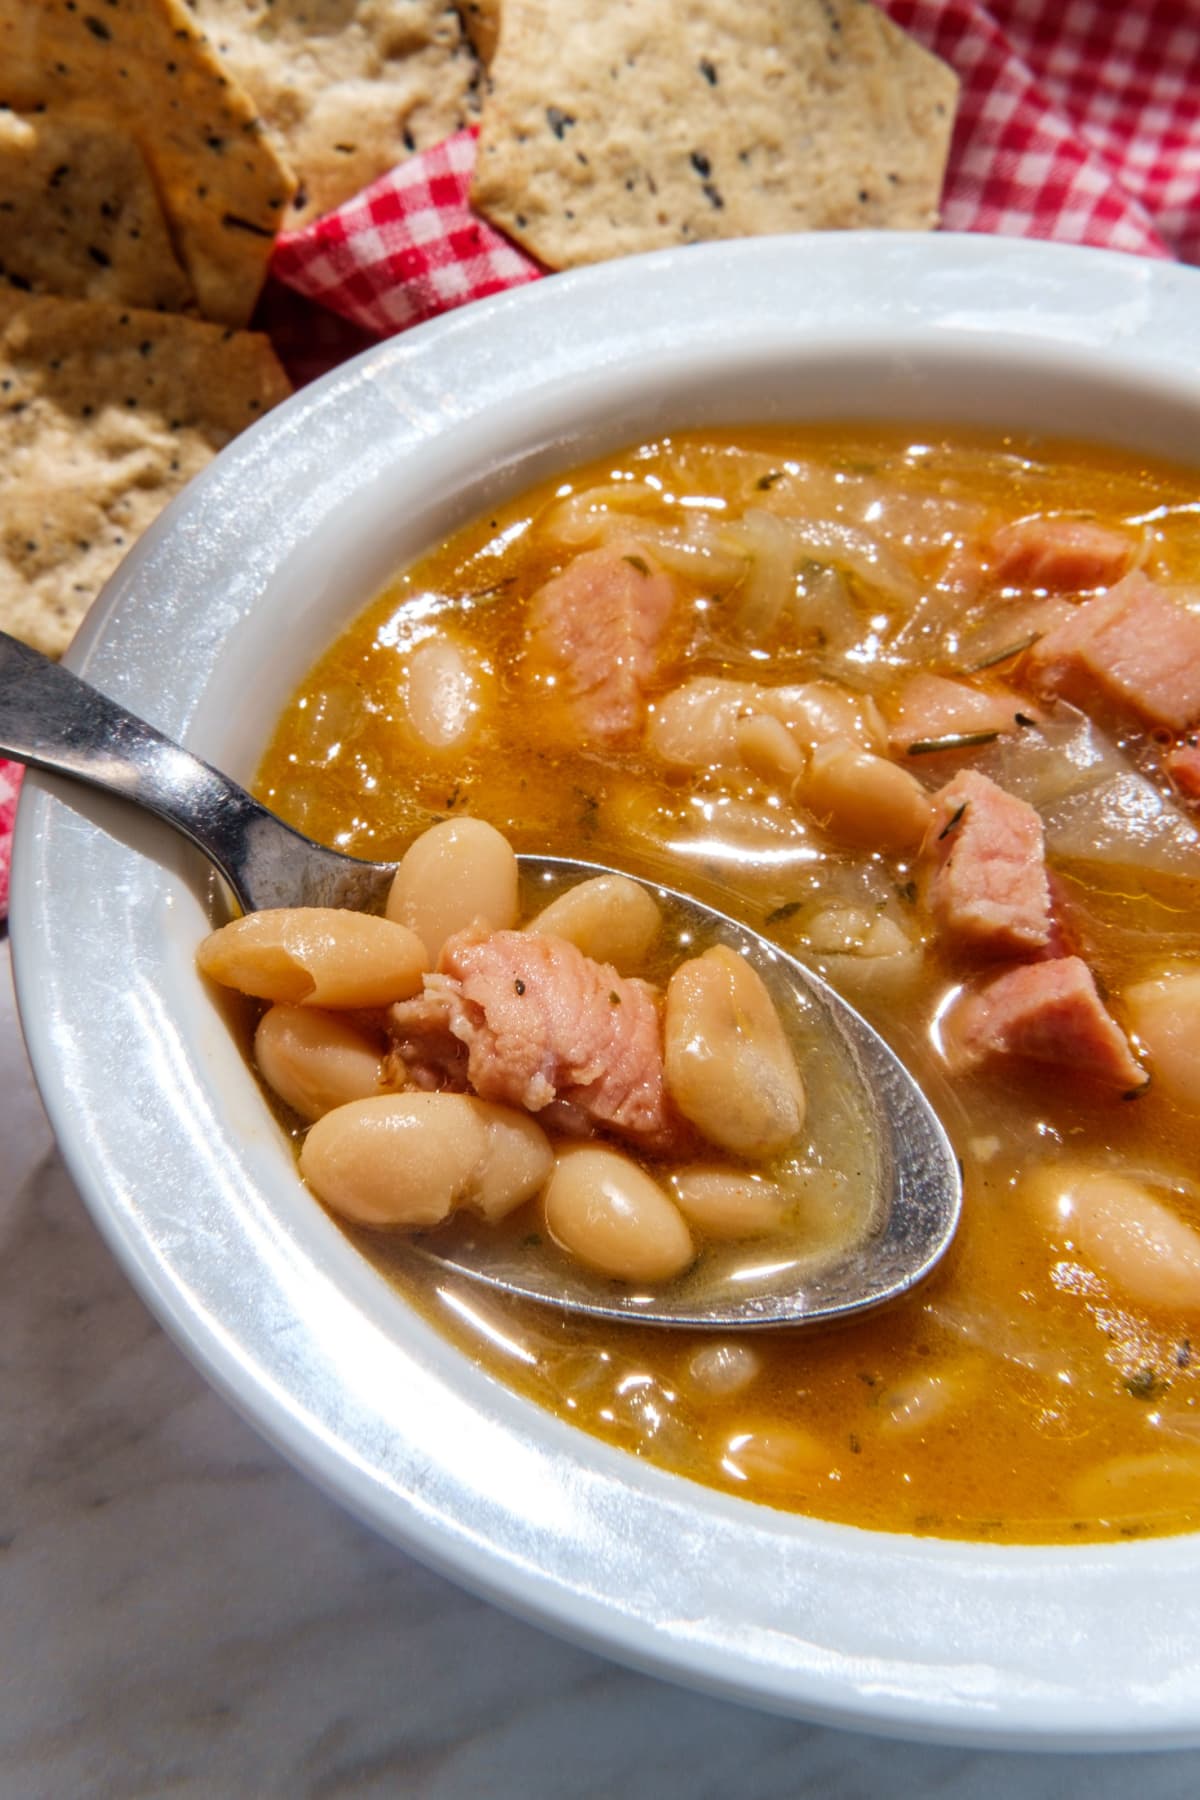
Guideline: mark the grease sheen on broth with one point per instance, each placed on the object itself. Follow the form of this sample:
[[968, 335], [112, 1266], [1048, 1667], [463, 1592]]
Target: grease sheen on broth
[[1020, 1395]]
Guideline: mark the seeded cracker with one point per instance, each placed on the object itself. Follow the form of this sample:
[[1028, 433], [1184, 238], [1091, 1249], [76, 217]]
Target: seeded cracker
[[349, 89], [647, 123], [104, 415], [222, 184], [79, 215]]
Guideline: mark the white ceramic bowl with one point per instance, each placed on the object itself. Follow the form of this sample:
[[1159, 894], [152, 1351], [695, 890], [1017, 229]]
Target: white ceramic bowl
[[205, 630]]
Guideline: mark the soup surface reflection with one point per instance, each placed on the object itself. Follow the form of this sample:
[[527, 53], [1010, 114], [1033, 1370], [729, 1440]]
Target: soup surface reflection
[[981, 617]]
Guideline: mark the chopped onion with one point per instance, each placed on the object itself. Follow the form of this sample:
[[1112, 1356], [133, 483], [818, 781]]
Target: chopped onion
[[1095, 806], [769, 582], [589, 517]]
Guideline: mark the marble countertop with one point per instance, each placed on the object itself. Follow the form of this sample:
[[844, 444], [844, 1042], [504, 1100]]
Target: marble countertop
[[184, 1615]]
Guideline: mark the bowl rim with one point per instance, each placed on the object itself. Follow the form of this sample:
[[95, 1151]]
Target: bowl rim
[[911, 1637]]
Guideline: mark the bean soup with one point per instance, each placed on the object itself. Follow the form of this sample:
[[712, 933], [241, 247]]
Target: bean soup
[[923, 709]]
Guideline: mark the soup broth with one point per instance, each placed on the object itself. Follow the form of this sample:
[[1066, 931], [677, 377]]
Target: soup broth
[[1032, 1390]]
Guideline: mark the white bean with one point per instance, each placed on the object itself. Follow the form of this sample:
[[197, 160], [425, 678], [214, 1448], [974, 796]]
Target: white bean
[[865, 949], [695, 726], [725, 1204], [316, 956], [775, 1456], [840, 930], [863, 798], [398, 1160], [817, 712], [698, 725], [460, 872], [315, 1060], [604, 1210], [721, 1370], [886, 939], [410, 1159], [442, 693], [729, 1066], [916, 1404], [768, 748], [1142, 1248], [1119, 1487], [517, 1160], [1164, 1014], [610, 918]]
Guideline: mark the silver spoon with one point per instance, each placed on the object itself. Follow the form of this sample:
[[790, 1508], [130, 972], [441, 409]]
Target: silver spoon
[[52, 720]]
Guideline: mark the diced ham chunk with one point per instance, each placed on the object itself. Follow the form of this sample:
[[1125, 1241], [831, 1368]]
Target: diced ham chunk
[[930, 708], [1046, 1012], [1133, 645], [989, 890], [1066, 556], [424, 1051], [544, 1024], [597, 626], [1183, 766]]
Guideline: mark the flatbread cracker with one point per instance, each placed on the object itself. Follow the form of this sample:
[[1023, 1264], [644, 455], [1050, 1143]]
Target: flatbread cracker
[[643, 124], [79, 215], [105, 414], [223, 186], [349, 89]]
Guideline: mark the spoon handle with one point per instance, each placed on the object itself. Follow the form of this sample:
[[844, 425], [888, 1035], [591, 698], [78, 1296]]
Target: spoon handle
[[52, 720]]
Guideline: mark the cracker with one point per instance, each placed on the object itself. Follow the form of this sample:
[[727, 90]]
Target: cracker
[[79, 215], [349, 90], [644, 124], [145, 64], [105, 414]]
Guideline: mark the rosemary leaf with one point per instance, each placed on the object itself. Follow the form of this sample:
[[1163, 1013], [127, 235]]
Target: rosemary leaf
[[960, 740], [1003, 656]]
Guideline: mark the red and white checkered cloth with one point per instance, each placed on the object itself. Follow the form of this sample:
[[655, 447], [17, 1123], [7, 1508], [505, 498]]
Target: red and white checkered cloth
[[406, 248], [1078, 120]]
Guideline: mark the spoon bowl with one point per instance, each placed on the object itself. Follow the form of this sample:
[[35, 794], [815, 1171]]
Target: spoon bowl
[[50, 719]]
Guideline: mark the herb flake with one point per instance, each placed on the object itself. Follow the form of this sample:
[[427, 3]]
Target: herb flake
[[954, 820], [1005, 655], [956, 740]]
